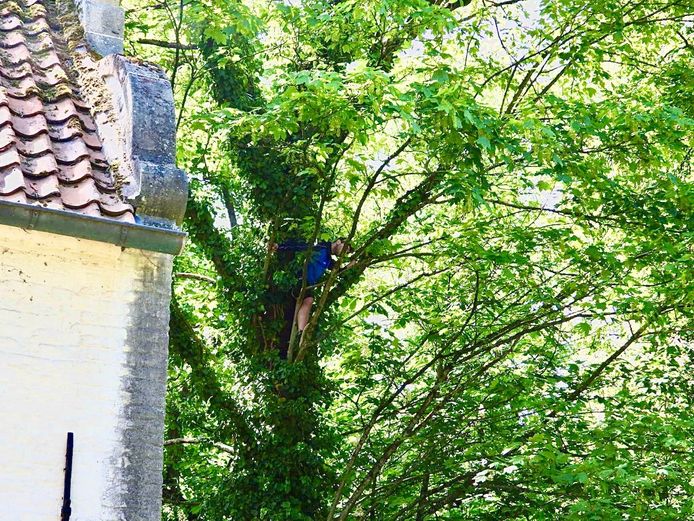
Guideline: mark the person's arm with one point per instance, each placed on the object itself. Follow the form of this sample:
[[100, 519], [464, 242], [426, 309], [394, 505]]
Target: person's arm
[[342, 268], [347, 266], [292, 246]]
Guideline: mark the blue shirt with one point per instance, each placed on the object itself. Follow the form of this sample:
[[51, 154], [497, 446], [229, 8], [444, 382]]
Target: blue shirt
[[321, 259]]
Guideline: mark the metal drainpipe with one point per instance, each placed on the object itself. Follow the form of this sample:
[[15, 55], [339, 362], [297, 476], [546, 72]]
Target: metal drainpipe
[[66, 510]]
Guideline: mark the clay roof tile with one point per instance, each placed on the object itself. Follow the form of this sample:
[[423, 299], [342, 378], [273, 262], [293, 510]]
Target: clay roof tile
[[10, 22], [60, 110], [42, 187], [11, 180], [17, 196], [39, 166], [7, 137], [34, 147], [9, 157], [80, 194], [78, 171], [29, 126], [26, 106]]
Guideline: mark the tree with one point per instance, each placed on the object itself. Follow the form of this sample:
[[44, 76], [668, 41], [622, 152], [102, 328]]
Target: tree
[[514, 337]]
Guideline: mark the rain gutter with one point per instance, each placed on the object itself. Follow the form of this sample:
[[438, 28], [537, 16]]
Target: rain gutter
[[72, 224]]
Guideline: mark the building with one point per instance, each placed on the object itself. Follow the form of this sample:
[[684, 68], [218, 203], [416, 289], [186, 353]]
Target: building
[[90, 202]]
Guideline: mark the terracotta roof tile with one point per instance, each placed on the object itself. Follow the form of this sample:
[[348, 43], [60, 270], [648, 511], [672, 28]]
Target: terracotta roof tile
[[77, 172], [41, 187], [15, 197], [40, 166], [50, 152], [60, 110], [7, 137], [29, 126], [10, 157], [26, 107], [70, 152], [11, 180], [80, 194], [5, 114], [37, 146]]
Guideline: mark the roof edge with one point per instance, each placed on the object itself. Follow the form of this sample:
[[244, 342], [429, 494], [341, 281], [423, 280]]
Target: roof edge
[[140, 137], [72, 224]]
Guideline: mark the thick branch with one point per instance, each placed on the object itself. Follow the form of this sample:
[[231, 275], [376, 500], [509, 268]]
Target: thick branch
[[167, 45], [216, 444], [197, 276], [191, 348]]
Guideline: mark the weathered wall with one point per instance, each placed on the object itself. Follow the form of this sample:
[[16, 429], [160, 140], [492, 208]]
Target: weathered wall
[[83, 345]]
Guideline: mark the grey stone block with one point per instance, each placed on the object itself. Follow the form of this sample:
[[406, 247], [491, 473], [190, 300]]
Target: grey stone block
[[163, 192], [153, 124], [104, 25], [102, 18], [104, 45]]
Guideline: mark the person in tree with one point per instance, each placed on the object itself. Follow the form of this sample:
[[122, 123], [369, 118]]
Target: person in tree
[[320, 261]]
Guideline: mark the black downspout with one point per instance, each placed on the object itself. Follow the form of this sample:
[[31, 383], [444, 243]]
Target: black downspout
[[67, 510]]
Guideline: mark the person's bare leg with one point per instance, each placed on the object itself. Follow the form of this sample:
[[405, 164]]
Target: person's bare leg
[[304, 313]]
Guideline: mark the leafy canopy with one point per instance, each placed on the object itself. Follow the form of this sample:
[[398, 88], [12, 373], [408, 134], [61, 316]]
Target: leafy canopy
[[513, 338]]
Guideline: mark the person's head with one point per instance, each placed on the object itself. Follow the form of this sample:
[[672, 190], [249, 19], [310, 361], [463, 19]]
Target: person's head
[[339, 245]]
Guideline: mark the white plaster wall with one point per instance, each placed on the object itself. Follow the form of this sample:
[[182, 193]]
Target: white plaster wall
[[64, 312]]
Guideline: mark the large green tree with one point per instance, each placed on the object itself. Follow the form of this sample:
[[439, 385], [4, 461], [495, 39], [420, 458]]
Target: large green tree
[[513, 339]]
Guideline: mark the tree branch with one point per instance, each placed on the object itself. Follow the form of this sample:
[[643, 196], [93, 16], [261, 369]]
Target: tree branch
[[197, 276], [601, 368], [167, 45], [186, 441]]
